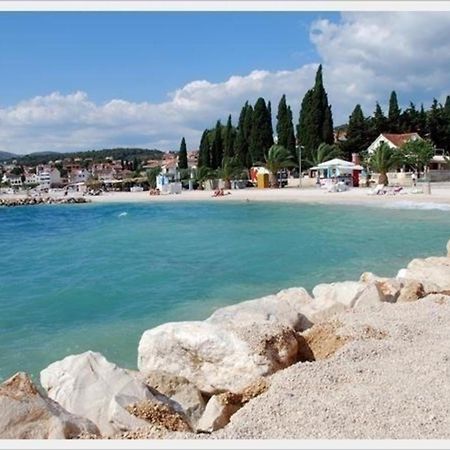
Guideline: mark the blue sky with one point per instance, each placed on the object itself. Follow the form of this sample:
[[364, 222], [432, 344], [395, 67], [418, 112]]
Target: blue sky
[[143, 56], [79, 81]]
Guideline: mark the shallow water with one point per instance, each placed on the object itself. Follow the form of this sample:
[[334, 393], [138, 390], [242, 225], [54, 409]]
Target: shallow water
[[79, 277]]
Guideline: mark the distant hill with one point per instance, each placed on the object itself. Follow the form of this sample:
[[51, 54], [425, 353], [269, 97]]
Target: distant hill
[[128, 154], [6, 155]]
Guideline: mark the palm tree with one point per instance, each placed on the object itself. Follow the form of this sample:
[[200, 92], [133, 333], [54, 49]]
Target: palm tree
[[382, 160], [324, 152], [230, 169], [277, 158]]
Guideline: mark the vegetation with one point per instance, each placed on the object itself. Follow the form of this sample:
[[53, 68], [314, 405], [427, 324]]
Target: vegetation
[[261, 135], [182, 155], [151, 176], [323, 153], [277, 158], [124, 154], [285, 127], [316, 122], [383, 160], [417, 154]]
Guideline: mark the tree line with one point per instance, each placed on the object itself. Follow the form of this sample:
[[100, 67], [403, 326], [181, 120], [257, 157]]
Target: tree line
[[248, 142], [432, 124]]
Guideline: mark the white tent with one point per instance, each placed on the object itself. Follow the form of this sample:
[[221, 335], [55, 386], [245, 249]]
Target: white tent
[[339, 164]]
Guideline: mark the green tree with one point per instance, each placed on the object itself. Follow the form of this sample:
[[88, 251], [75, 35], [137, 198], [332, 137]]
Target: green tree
[[409, 119], [325, 152], [285, 128], [277, 158], [182, 155], [315, 122], [417, 153], [217, 147], [384, 159], [151, 176], [204, 153], [436, 124], [358, 136], [228, 140], [393, 114], [261, 136], [378, 123], [231, 168], [242, 141]]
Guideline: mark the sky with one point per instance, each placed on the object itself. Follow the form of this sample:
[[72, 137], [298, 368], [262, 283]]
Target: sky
[[82, 80]]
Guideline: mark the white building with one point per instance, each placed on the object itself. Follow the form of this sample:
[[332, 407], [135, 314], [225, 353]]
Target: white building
[[79, 176], [393, 140], [13, 180]]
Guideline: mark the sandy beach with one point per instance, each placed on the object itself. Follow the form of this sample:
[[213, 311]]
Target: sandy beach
[[439, 197]]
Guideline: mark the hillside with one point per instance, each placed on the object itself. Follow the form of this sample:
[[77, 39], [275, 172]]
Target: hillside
[[95, 155]]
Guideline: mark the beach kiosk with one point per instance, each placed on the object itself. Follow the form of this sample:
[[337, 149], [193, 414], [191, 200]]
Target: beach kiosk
[[339, 171]]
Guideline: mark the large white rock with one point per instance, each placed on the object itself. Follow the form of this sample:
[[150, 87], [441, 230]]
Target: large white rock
[[217, 358], [350, 294], [27, 414], [91, 386], [285, 308], [433, 273]]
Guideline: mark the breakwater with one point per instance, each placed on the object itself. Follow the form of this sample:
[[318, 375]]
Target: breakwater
[[41, 201]]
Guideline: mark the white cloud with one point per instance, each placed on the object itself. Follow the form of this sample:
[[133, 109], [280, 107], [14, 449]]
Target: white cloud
[[365, 56]]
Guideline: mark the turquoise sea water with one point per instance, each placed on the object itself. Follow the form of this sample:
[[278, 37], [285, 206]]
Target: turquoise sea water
[[79, 277]]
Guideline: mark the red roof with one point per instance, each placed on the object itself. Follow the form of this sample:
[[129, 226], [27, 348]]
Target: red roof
[[399, 139]]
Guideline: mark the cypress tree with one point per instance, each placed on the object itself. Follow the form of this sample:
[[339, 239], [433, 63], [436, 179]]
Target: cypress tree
[[316, 121], [393, 114], [241, 143], [228, 140], [409, 119], [182, 155], [378, 123], [217, 147], [282, 122], [269, 118], [291, 135], [261, 136], [422, 128], [358, 138], [204, 153], [285, 128]]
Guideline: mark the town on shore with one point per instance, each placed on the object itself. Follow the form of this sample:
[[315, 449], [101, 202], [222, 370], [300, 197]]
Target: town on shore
[[399, 150]]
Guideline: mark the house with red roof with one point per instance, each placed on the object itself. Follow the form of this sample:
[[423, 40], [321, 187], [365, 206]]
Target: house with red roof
[[393, 140]]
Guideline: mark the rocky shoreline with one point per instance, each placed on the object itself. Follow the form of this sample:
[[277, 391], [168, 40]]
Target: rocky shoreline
[[26, 201], [344, 362]]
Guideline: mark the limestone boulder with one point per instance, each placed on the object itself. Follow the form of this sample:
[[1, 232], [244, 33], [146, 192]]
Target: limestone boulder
[[180, 390], [350, 294], [218, 412], [433, 273], [91, 386], [28, 414], [411, 291], [285, 308], [217, 358]]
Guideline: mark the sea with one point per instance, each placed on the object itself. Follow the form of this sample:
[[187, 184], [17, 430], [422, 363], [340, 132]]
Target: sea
[[95, 277]]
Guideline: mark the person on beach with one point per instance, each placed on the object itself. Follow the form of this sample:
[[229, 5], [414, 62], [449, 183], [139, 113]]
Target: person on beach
[[414, 179]]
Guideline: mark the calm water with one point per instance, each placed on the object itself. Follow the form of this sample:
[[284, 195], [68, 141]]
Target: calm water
[[84, 277]]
